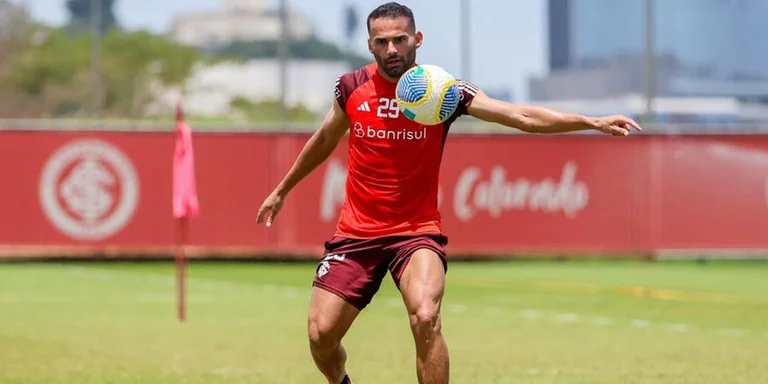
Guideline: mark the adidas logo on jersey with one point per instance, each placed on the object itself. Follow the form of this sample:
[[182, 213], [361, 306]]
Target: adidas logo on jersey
[[364, 107]]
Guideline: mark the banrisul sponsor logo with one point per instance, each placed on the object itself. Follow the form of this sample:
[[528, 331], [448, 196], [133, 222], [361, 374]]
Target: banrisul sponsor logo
[[369, 132]]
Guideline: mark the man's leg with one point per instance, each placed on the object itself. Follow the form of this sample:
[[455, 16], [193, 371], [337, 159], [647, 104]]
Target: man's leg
[[329, 319], [422, 283], [347, 278]]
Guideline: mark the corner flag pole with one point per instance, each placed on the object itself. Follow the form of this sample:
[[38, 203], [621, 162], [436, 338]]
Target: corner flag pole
[[182, 236], [185, 202]]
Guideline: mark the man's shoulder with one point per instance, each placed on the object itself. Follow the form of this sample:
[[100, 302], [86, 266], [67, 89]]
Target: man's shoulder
[[356, 78], [347, 83]]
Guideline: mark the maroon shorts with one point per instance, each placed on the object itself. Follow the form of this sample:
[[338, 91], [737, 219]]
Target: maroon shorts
[[354, 268]]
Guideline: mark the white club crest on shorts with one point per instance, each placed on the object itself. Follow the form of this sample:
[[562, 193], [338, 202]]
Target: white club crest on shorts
[[89, 189], [325, 263], [323, 269]]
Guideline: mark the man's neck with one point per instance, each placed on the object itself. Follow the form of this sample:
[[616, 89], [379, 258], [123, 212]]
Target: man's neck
[[387, 77]]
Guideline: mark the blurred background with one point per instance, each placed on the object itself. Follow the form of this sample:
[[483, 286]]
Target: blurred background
[[91, 92], [690, 64]]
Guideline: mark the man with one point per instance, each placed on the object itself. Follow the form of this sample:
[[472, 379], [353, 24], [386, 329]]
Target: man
[[389, 220]]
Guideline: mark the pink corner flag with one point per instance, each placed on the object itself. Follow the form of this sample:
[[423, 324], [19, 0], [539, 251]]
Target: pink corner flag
[[185, 202]]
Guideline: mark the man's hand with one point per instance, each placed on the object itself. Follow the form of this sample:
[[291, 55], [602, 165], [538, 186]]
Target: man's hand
[[616, 125], [270, 208]]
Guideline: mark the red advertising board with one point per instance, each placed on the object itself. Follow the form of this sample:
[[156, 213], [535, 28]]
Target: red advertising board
[[498, 194]]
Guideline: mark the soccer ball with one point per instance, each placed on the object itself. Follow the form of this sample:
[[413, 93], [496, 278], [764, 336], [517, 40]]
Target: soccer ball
[[427, 94]]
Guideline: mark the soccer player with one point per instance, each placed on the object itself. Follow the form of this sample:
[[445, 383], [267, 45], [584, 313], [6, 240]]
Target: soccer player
[[389, 220]]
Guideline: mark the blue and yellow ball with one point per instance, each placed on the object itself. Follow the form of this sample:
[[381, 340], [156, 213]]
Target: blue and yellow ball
[[428, 94]]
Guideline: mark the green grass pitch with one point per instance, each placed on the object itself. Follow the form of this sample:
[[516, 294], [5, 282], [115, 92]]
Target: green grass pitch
[[505, 322]]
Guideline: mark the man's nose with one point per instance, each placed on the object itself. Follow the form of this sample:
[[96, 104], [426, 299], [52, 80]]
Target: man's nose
[[391, 49]]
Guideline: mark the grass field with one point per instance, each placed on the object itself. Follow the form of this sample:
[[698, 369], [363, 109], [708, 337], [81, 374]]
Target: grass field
[[505, 322]]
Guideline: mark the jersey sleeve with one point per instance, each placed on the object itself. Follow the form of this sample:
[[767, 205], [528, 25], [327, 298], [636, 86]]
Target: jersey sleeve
[[342, 90], [339, 94], [346, 85], [468, 91]]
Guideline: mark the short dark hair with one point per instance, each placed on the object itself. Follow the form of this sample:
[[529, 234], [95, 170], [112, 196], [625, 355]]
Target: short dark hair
[[391, 10]]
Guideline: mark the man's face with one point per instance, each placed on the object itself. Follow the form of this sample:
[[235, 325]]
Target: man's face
[[393, 43]]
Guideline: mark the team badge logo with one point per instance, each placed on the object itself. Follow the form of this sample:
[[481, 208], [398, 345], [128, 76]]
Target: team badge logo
[[89, 190], [325, 264], [323, 269]]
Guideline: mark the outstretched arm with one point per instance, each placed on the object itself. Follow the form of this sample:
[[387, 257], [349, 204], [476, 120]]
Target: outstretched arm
[[534, 119], [317, 149]]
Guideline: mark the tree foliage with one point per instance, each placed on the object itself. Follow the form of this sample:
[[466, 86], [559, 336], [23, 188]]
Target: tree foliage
[[312, 48], [48, 72], [269, 110], [131, 63]]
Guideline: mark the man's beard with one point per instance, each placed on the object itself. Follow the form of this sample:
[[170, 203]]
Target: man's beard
[[398, 69]]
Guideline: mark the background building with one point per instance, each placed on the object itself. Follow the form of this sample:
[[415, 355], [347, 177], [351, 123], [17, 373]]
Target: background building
[[702, 48], [239, 20]]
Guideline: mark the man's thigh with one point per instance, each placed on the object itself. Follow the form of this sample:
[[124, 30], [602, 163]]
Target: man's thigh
[[352, 270], [423, 257], [422, 286]]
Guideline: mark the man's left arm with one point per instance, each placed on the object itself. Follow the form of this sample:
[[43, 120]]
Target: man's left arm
[[535, 119]]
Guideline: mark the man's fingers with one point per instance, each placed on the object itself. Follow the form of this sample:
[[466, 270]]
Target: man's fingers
[[631, 122], [618, 130], [262, 211], [272, 215]]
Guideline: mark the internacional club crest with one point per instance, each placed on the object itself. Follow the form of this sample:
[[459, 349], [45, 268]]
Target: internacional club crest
[[89, 189]]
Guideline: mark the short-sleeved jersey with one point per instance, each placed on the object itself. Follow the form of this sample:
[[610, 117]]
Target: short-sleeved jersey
[[393, 164]]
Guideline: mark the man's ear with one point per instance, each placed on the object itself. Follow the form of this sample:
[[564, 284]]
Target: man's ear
[[419, 39]]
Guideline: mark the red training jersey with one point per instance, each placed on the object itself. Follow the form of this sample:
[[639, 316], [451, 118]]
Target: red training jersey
[[394, 163]]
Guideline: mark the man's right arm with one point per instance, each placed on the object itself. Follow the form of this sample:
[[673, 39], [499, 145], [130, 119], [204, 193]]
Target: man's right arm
[[317, 149]]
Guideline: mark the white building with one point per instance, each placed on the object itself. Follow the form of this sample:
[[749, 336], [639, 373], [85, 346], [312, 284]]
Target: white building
[[212, 88], [238, 20]]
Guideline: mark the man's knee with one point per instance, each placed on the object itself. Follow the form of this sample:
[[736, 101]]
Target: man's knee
[[425, 318], [322, 332], [422, 283]]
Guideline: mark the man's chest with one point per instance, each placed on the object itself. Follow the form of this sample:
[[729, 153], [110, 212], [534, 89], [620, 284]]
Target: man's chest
[[376, 121]]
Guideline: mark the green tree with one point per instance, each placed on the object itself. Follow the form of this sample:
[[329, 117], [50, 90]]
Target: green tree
[[312, 48], [59, 68], [55, 61], [132, 61], [269, 110]]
